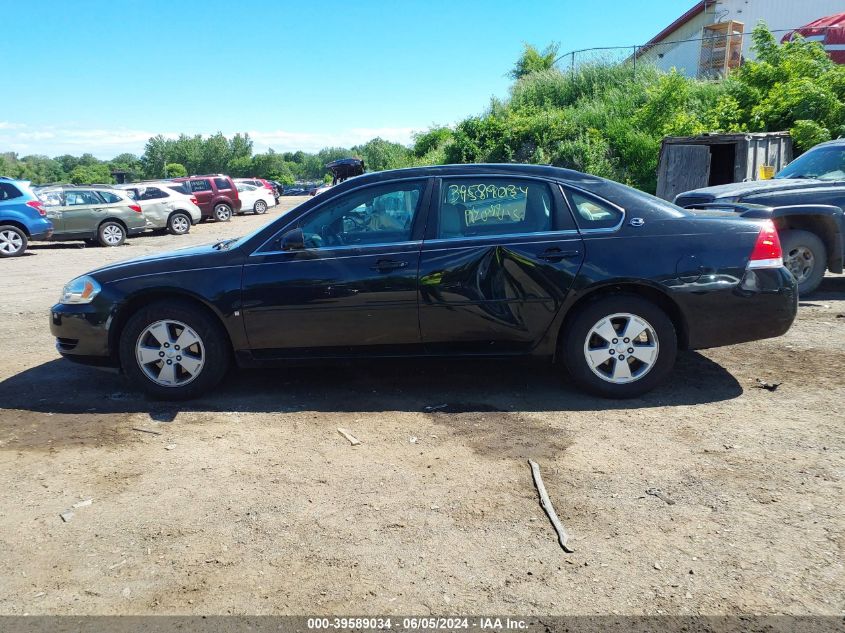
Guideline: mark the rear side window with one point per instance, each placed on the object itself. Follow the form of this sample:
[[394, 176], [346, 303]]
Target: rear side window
[[81, 198], [200, 185], [493, 206], [152, 193], [222, 183], [8, 191], [592, 213], [110, 197]]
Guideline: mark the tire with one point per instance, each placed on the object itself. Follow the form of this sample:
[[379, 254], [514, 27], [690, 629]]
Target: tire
[[222, 212], [208, 357], [179, 223], [13, 241], [648, 360], [805, 255], [111, 233], [260, 207]]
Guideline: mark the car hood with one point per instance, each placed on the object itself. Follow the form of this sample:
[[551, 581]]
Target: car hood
[[737, 189], [190, 258]]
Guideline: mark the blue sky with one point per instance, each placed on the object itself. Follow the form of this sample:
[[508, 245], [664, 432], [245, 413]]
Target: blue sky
[[104, 76]]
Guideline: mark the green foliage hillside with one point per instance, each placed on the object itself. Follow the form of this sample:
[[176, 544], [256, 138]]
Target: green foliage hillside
[[605, 119]]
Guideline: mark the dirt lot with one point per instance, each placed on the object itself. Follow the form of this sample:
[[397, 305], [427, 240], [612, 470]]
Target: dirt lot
[[250, 501]]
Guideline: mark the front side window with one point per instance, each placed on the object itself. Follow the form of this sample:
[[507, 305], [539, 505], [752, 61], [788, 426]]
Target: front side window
[[200, 185], [374, 215], [471, 207], [80, 198], [592, 213], [222, 183]]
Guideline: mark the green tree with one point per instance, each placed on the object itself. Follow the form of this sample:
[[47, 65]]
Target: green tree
[[90, 174], [532, 60], [379, 154]]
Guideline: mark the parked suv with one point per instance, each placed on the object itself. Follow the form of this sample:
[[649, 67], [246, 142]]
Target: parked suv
[[22, 217], [165, 207], [93, 214], [805, 200], [216, 195]]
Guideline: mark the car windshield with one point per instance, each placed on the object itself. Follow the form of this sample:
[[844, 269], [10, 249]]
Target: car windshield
[[823, 163]]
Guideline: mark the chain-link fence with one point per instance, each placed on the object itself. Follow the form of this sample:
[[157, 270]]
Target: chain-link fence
[[707, 57]]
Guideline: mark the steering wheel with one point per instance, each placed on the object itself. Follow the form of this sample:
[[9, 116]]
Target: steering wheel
[[330, 237]]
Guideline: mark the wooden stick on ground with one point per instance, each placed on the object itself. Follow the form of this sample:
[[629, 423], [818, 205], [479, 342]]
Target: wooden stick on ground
[[546, 504], [352, 439]]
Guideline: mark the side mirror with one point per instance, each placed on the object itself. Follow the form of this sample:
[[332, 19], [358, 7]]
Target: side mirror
[[293, 240]]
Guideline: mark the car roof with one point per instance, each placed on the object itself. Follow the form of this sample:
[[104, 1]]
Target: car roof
[[836, 141], [503, 169]]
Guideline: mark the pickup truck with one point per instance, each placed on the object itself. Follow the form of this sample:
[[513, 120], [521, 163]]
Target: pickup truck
[[806, 202]]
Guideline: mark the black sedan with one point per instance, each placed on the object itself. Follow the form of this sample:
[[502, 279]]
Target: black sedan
[[469, 260]]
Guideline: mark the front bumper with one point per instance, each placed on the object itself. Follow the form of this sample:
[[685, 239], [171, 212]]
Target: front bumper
[[763, 305], [82, 333]]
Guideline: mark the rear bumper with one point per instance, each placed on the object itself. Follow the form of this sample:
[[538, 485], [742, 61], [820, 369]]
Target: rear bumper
[[763, 305], [40, 229], [136, 230], [82, 334], [43, 235]]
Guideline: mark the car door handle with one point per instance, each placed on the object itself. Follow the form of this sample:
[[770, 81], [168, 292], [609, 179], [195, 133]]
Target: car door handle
[[556, 254], [384, 265]]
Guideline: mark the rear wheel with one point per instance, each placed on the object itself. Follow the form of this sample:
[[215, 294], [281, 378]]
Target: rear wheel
[[179, 223], [12, 241], [621, 346], [222, 212], [111, 233], [173, 350], [805, 255], [260, 207]]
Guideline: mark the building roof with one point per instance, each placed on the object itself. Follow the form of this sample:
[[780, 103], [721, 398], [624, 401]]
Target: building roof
[[697, 9]]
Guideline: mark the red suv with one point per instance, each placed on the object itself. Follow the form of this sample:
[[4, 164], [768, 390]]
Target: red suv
[[216, 194]]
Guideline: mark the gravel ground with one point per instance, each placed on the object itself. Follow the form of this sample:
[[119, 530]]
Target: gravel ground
[[249, 501]]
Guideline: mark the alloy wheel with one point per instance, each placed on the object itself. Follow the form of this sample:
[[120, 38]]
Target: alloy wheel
[[10, 242], [112, 235], [170, 353], [621, 348], [222, 212], [179, 224]]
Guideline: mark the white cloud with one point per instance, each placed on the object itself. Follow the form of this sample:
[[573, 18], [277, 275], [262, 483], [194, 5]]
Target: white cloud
[[107, 143]]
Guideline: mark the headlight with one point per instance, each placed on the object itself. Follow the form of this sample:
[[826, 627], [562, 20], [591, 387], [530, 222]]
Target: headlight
[[80, 290]]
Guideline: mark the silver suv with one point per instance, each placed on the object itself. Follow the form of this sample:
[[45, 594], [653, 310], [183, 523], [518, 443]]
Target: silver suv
[[166, 205], [91, 213]]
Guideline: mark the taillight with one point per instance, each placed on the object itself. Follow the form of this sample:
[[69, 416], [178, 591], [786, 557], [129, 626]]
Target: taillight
[[38, 206], [767, 252], [194, 200], [135, 207]]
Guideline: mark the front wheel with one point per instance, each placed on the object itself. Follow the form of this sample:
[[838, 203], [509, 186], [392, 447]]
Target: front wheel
[[111, 234], [12, 241], [179, 224], [619, 346], [260, 207], [173, 350], [222, 212], [805, 256]]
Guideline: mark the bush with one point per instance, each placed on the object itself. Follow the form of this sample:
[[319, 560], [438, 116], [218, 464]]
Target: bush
[[176, 170], [806, 134]]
